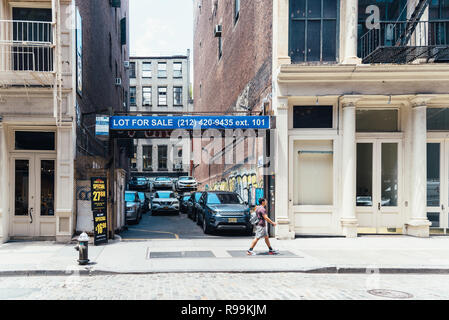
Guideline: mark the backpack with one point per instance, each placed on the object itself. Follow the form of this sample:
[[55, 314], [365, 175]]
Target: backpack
[[254, 219]]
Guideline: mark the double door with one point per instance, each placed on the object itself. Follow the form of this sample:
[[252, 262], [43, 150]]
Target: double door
[[33, 196], [438, 185], [378, 186]]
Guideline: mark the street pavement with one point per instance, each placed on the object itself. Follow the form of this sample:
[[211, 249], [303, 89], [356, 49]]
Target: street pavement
[[227, 286], [175, 244]]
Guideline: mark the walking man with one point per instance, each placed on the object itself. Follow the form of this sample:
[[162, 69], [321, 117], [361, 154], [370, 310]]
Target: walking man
[[261, 228]]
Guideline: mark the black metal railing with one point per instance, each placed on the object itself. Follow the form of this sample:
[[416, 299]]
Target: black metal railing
[[392, 42]]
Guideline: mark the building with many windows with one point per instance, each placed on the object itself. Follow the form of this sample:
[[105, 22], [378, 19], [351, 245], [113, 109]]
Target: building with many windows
[[160, 86], [51, 57], [360, 94]]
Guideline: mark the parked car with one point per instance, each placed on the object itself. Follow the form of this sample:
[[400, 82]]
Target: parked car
[[144, 201], [183, 203], [133, 207], [162, 183], [224, 211], [186, 184], [193, 205], [138, 183], [164, 201]]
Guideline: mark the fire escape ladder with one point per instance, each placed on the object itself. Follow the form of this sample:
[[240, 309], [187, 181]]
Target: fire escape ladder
[[413, 22]]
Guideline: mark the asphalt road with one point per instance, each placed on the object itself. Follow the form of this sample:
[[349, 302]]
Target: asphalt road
[[171, 226]]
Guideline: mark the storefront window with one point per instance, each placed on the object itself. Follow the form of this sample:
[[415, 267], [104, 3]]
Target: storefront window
[[309, 117], [437, 119], [433, 175], [47, 187], [364, 174], [28, 140], [389, 175], [377, 121], [313, 176]]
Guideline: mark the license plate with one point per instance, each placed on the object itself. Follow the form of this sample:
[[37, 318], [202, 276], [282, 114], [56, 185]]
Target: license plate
[[189, 185], [166, 208], [232, 220]]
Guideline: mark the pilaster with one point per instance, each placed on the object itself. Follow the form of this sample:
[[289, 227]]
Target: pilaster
[[350, 24]]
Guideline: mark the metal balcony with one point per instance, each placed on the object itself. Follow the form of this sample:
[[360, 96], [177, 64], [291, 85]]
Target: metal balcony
[[26, 52], [398, 42]]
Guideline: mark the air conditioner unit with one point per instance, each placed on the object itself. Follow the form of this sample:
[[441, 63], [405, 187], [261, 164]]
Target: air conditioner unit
[[118, 81], [126, 64], [218, 30]]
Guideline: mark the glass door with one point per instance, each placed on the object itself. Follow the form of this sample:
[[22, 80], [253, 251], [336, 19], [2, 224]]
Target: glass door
[[33, 203], [378, 186], [437, 185]]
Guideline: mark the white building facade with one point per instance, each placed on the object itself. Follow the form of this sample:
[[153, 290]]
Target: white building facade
[[160, 86], [361, 99]]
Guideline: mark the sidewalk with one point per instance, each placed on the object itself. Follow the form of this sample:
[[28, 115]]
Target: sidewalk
[[384, 254]]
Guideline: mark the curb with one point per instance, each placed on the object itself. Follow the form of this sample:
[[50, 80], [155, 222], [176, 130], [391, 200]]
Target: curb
[[325, 270]]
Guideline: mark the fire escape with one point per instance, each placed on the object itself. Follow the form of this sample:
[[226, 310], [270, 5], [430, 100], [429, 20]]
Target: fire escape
[[30, 57], [407, 41]]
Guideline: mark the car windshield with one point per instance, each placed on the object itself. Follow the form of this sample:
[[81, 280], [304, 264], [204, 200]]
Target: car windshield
[[162, 179], [197, 196], [164, 195], [130, 197], [186, 198], [141, 196], [223, 198], [185, 178], [142, 179]]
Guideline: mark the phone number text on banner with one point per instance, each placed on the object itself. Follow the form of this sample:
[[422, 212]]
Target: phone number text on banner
[[190, 123]]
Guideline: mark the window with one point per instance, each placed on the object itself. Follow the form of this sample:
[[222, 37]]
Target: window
[[162, 96], [177, 96], [236, 10], [177, 70], [147, 157], [30, 140], [307, 117], [162, 152], [147, 96], [146, 70], [377, 121], [132, 70], [438, 119], [132, 96], [162, 70], [220, 48], [313, 30]]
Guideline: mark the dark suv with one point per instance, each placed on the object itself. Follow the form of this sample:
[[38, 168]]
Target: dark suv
[[223, 211]]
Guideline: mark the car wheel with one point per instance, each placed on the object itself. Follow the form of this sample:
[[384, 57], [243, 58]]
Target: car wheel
[[206, 228]]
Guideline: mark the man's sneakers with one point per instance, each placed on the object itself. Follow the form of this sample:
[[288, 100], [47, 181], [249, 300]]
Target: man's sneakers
[[273, 252], [251, 253]]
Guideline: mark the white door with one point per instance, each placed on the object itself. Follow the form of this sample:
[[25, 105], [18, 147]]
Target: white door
[[378, 186], [33, 201], [438, 185]]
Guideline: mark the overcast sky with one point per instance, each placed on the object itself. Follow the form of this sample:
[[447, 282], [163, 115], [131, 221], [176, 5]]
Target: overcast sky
[[160, 27]]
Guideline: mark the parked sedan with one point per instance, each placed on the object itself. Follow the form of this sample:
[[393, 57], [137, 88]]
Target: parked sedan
[[162, 183], [224, 211], [193, 205], [138, 183], [144, 201], [133, 207], [186, 184], [164, 201], [183, 203]]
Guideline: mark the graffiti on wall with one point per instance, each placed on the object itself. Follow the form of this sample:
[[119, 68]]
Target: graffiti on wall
[[245, 184]]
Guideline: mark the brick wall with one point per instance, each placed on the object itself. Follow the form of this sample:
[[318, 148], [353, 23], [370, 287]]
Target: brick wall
[[243, 74]]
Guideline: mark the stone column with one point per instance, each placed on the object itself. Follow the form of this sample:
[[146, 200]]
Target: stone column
[[64, 184], [350, 18], [280, 33], [3, 190], [419, 225], [349, 221], [282, 192]]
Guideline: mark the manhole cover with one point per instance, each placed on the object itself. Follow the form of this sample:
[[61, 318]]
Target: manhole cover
[[392, 294]]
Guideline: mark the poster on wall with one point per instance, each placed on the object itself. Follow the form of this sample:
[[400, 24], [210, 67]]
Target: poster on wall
[[99, 209], [79, 53], [100, 227]]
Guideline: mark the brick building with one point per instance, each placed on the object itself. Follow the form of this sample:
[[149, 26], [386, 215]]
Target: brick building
[[59, 65], [232, 70]]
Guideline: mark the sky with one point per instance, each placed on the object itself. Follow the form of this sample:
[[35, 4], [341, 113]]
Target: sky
[[160, 27]]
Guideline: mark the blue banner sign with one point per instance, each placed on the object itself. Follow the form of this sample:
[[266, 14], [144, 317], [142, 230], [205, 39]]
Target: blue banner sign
[[190, 122]]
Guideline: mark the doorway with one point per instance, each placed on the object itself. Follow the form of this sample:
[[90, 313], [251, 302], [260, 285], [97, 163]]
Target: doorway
[[33, 197], [379, 170], [438, 185]]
